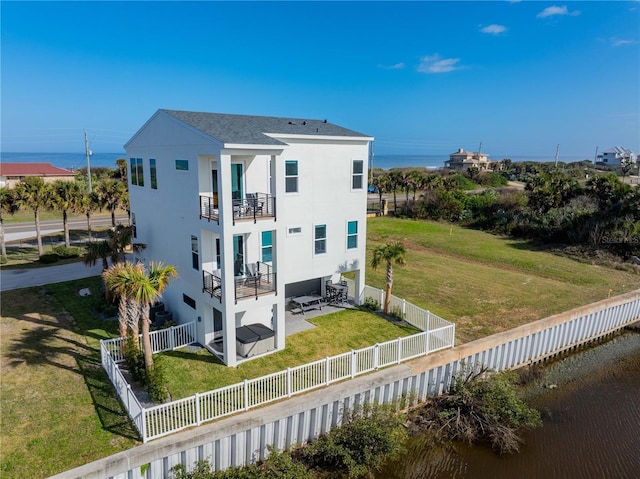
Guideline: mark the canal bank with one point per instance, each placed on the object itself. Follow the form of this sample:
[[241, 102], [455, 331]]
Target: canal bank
[[591, 425]]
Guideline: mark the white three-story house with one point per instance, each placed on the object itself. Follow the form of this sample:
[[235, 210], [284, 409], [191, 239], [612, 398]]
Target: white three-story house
[[252, 211]]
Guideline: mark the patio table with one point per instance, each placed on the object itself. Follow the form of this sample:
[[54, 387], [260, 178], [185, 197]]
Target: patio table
[[306, 303]]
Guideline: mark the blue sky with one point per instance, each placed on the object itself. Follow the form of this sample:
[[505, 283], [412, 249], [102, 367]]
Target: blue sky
[[422, 77]]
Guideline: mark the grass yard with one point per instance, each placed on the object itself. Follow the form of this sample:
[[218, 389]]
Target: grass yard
[[485, 283], [58, 407], [336, 333]]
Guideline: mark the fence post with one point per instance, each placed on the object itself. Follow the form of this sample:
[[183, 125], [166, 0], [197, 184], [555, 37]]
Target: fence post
[[428, 320], [128, 396], [426, 342], [404, 308], [246, 394], [399, 350], [288, 382], [172, 338], [143, 420], [376, 356], [197, 398], [327, 370], [354, 363]]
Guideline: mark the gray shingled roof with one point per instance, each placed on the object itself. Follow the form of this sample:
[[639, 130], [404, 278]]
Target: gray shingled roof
[[250, 130]]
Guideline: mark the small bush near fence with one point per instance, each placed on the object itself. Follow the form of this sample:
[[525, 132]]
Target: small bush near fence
[[396, 312], [371, 304], [367, 437], [154, 380]]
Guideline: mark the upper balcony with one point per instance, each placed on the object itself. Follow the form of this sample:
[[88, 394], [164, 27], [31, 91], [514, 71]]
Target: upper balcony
[[253, 207]]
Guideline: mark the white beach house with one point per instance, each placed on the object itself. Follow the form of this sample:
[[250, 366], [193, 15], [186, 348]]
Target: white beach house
[[252, 211]]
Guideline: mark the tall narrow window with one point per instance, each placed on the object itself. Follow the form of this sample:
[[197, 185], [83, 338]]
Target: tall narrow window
[[320, 239], [134, 171], [139, 172], [195, 260], [218, 265], [352, 234], [267, 246], [152, 172], [291, 176], [357, 175]]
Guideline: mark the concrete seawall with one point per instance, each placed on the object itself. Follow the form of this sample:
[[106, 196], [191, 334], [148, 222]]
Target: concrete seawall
[[244, 438]]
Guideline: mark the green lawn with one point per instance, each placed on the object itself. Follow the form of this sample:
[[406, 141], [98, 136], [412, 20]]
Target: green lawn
[[58, 407], [336, 333], [59, 410], [485, 283]]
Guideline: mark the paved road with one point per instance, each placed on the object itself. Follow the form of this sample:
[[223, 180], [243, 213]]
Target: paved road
[[23, 278], [18, 231]]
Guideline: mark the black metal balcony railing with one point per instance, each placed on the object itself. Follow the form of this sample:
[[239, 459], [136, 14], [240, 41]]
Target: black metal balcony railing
[[254, 206], [251, 285]]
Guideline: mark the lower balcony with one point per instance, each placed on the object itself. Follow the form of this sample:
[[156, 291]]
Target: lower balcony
[[255, 206], [257, 280]]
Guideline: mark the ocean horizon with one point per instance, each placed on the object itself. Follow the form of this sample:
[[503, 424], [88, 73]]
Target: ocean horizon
[[74, 161]]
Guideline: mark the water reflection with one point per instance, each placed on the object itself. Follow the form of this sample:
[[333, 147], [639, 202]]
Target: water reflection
[[591, 428]]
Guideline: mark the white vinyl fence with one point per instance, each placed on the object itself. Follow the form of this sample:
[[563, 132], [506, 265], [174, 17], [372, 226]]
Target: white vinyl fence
[[164, 419]]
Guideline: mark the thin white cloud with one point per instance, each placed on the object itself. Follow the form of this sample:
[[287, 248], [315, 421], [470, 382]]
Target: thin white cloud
[[618, 42], [555, 10], [435, 64], [494, 29], [397, 66]]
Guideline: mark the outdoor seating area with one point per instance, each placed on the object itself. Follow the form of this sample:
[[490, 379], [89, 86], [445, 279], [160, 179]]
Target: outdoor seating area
[[336, 292]]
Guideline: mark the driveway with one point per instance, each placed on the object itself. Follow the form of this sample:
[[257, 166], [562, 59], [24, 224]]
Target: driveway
[[24, 278]]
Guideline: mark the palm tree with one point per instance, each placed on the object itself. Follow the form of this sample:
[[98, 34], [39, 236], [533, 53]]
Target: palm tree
[[8, 205], [381, 184], [147, 289], [33, 193], [415, 180], [389, 253], [66, 197], [119, 279], [110, 194], [88, 203]]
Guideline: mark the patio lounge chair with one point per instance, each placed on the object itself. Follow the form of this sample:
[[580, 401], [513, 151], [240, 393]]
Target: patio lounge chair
[[254, 204], [252, 275]]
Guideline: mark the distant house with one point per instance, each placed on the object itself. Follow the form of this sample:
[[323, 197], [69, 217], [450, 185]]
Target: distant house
[[614, 156], [13, 173], [463, 160]]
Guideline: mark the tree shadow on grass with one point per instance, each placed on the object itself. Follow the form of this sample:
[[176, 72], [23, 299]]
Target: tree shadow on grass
[[112, 414]]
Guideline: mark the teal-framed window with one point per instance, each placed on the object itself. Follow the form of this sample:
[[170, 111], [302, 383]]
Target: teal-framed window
[[320, 239], [182, 165], [352, 234], [267, 246], [291, 176]]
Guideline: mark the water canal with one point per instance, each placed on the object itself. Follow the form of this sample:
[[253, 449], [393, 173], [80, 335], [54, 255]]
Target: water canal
[[590, 402]]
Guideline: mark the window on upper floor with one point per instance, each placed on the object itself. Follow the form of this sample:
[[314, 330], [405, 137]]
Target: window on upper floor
[[320, 239], [357, 175], [137, 172], [195, 260], [153, 174], [291, 176], [182, 165], [267, 246], [352, 234]]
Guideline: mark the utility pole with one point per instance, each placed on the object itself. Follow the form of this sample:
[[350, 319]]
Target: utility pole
[[557, 150], [87, 152]]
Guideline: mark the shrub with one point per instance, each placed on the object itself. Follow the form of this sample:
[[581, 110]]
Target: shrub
[[480, 407], [371, 304], [396, 312], [63, 252], [367, 437], [49, 258], [135, 359], [156, 381]]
